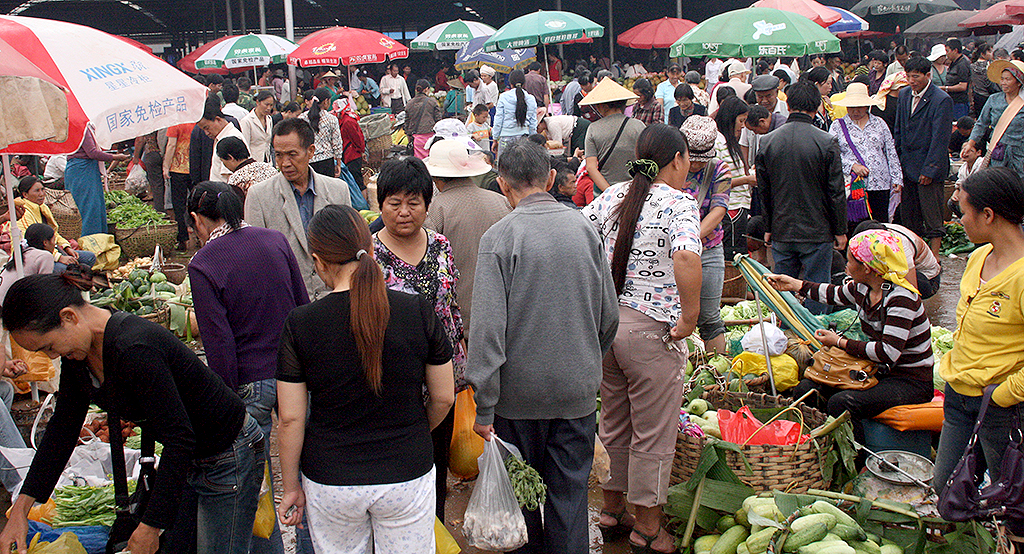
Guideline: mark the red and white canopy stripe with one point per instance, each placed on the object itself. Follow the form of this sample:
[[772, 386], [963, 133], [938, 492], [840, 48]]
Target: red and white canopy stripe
[[120, 89], [346, 46]]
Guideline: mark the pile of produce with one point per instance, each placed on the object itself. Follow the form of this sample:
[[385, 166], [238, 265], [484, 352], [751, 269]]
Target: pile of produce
[[134, 441], [698, 416], [79, 506], [529, 488], [99, 428], [956, 241], [140, 293], [124, 271], [126, 211]]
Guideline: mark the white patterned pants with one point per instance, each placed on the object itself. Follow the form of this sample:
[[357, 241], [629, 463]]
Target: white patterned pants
[[396, 518]]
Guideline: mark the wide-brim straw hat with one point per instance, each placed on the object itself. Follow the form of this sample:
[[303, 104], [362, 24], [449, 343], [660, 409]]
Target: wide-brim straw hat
[[451, 159], [856, 97], [609, 91], [329, 75], [995, 70]]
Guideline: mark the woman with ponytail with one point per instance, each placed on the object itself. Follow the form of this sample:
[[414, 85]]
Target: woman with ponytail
[[652, 233], [330, 152], [143, 373], [245, 280], [359, 359], [515, 113]]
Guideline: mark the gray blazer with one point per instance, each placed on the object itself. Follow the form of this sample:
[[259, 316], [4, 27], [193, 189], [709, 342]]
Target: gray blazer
[[271, 204]]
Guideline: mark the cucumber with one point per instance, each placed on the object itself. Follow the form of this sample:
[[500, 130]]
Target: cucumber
[[891, 549], [831, 537], [758, 542], [850, 533], [727, 543], [811, 534], [837, 548], [816, 547], [741, 548], [804, 522], [741, 517], [704, 544], [869, 547], [725, 523], [842, 517]]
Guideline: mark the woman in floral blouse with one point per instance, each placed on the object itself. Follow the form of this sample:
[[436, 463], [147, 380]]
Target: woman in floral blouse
[[416, 260]]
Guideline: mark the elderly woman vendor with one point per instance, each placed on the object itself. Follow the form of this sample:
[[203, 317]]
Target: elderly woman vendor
[[1002, 115]]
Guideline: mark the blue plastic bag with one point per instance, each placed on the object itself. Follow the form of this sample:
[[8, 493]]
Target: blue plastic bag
[[93, 538]]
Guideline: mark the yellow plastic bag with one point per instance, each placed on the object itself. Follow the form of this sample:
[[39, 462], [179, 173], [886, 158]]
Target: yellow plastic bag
[[108, 253], [263, 525], [466, 446], [67, 543], [445, 541], [784, 368]]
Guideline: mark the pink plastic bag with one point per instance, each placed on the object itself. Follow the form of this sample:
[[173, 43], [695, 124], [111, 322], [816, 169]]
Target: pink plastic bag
[[740, 426]]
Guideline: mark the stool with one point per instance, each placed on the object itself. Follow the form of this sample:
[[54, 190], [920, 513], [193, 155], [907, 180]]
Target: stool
[[879, 437]]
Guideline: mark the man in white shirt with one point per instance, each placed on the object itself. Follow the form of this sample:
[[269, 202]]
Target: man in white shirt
[[231, 107], [55, 167], [217, 128], [738, 73], [394, 91]]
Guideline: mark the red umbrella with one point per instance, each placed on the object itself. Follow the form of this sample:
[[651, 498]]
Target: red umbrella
[[346, 46], [808, 8], [188, 63], [660, 33], [998, 14]]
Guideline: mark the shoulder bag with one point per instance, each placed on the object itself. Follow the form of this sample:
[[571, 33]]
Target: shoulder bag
[[964, 499], [857, 208], [583, 180], [835, 368]]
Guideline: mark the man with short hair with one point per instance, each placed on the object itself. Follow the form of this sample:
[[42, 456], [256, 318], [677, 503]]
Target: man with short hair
[[665, 94], [958, 77], [803, 192], [288, 200], [394, 92], [231, 94], [245, 97], [535, 388], [834, 63], [217, 128], [924, 122], [572, 88], [537, 85], [245, 171], [214, 84], [902, 55], [766, 90]]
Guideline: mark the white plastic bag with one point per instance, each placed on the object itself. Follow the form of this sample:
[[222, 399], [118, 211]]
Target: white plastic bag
[[777, 340], [89, 464], [136, 182], [493, 519]]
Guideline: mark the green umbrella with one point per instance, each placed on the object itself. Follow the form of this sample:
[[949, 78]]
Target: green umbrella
[[753, 33], [243, 52], [542, 27], [451, 35]]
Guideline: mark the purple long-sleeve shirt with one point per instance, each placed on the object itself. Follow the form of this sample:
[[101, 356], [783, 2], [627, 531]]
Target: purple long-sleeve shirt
[[90, 150], [244, 284]]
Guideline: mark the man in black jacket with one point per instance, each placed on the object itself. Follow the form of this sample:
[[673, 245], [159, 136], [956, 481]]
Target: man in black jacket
[[800, 177]]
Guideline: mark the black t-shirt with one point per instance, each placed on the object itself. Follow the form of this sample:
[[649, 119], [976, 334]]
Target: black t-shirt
[[958, 72], [353, 436], [156, 382]]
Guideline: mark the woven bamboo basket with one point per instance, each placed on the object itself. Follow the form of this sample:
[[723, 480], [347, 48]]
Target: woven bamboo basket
[[161, 317], [140, 241], [376, 148], [65, 211], [790, 468], [734, 288], [175, 273]]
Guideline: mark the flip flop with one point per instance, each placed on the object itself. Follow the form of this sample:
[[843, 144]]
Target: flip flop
[[647, 548], [612, 533]]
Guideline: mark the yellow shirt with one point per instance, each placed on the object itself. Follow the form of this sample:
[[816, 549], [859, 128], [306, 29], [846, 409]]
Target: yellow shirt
[[987, 346], [35, 213], [838, 112]]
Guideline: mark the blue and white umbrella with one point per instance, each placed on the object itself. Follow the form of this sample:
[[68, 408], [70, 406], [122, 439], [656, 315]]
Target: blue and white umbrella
[[850, 22], [472, 56]]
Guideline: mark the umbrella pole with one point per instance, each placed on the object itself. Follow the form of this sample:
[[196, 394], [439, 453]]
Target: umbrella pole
[[19, 264], [764, 341]]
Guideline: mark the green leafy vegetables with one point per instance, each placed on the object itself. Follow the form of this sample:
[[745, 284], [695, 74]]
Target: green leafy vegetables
[[135, 442], [529, 488], [136, 215], [84, 506]]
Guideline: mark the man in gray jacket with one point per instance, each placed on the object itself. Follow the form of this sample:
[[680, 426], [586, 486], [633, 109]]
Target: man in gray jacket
[[544, 313]]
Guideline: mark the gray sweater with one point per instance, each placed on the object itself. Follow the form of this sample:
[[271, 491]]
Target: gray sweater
[[544, 313]]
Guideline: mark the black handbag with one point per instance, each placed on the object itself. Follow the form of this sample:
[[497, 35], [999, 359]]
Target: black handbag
[[963, 500]]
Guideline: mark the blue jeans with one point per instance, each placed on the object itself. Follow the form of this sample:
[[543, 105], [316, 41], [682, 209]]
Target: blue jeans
[[85, 258], [9, 437], [709, 321], [815, 258], [260, 397], [960, 414], [228, 488]]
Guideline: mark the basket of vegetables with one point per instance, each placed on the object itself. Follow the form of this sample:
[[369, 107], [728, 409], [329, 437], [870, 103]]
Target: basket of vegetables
[[142, 294]]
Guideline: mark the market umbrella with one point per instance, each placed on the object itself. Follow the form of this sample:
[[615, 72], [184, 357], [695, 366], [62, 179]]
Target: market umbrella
[[784, 304], [822, 15], [472, 56], [136, 43], [346, 46], [1011, 39], [542, 27], [755, 32], [188, 62], [32, 105], [452, 35], [888, 15], [849, 22], [244, 52], [941, 25], [660, 33], [994, 16]]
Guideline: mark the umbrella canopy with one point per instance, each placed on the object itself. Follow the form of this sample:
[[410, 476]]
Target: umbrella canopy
[[542, 27], [822, 15], [244, 52], [941, 25], [784, 304], [451, 35], [1011, 39], [188, 62], [136, 43], [32, 104], [995, 15], [472, 56], [346, 46], [660, 33], [897, 7], [118, 88], [755, 32], [849, 22]]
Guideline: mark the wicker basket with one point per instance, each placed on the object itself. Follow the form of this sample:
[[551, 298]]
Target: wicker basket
[[373, 156], [790, 468], [734, 289], [141, 241], [175, 273], [161, 317], [65, 212]]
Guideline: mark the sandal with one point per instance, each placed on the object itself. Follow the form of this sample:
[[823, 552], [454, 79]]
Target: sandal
[[647, 548], [613, 533]]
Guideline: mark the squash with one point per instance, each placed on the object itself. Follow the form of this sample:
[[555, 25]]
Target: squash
[[466, 445]]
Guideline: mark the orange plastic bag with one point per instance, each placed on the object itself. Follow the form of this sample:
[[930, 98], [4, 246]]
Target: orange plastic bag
[[42, 513], [743, 428], [466, 446], [40, 367], [914, 417]]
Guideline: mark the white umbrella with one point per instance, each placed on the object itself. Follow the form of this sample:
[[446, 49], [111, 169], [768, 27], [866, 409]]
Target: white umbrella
[[243, 52], [451, 35]]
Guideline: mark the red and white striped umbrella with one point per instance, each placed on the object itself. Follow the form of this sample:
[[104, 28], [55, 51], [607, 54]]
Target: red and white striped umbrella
[[120, 89], [346, 46]]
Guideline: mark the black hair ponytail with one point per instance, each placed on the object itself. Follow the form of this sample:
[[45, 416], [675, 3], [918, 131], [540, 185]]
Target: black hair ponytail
[[215, 201], [517, 79]]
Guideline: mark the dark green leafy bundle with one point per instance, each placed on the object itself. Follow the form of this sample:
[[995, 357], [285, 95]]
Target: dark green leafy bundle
[[956, 241], [136, 214], [529, 488], [115, 198]]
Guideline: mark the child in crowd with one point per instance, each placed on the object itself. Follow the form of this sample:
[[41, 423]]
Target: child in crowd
[[480, 128], [972, 156]]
